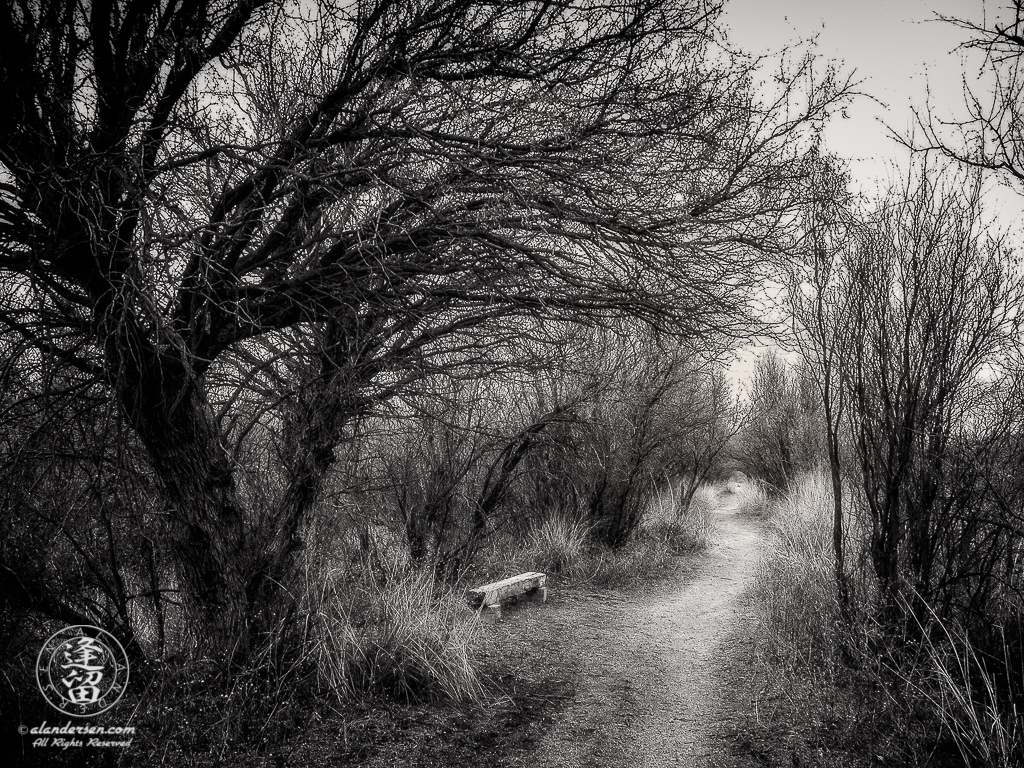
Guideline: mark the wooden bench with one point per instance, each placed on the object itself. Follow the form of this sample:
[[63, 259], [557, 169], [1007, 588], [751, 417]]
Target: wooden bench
[[489, 597]]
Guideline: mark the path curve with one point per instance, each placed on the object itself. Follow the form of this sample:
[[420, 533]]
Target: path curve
[[656, 687]]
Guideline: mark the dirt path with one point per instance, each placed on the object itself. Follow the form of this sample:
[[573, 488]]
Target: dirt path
[[658, 683]]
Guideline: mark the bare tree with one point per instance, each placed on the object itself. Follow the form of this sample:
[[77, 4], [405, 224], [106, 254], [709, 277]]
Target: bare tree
[[250, 220], [927, 310], [991, 136], [819, 302]]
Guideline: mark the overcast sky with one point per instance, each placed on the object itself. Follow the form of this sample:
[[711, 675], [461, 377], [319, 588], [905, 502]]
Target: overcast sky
[[900, 52], [897, 48]]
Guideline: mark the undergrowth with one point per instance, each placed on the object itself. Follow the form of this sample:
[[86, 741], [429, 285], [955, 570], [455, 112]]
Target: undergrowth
[[364, 624], [847, 692], [563, 546], [365, 627]]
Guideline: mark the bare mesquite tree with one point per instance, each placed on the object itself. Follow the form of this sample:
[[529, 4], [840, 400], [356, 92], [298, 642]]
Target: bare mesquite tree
[[450, 475], [920, 318], [244, 225], [592, 438]]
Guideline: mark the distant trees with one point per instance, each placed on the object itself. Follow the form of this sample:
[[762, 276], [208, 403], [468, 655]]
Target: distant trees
[[452, 472], [231, 230], [781, 435], [592, 442], [707, 417]]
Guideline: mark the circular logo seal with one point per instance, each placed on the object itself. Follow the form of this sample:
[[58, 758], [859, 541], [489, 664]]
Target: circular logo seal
[[82, 670]]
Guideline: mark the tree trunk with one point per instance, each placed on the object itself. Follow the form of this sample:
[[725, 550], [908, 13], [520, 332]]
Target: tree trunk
[[207, 530]]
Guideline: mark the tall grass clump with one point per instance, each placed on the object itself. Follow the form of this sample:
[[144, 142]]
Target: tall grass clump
[[565, 547], [931, 678], [387, 630], [794, 587], [364, 623], [975, 694], [558, 544], [669, 528], [684, 527]]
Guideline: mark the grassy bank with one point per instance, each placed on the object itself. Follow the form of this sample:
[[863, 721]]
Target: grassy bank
[[845, 692]]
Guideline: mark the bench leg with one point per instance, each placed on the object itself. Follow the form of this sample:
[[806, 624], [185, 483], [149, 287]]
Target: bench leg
[[540, 594], [491, 613]]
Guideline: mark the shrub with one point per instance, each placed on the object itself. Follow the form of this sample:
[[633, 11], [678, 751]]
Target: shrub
[[782, 436], [364, 624], [937, 677], [643, 555]]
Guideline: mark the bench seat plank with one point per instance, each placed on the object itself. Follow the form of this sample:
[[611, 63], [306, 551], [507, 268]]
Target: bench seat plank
[[499, 591]]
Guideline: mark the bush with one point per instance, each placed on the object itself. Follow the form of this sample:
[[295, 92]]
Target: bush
[[782, 436], [565, 545], [750, 498], [365, 625], [642, 556]]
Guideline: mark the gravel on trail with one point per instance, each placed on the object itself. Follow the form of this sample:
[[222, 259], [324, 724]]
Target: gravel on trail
[[662, 673]]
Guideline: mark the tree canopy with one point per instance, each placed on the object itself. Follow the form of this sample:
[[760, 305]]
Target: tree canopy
[[216, 215]]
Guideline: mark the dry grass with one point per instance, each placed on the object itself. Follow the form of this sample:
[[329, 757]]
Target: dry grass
[[390, 631], [642, 557], [751, 497], [828, 715], [557, 545], [830, 694], [563, 546], [372, 623], [669, 529], [794, 587], [964, 691], [682, 529]]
